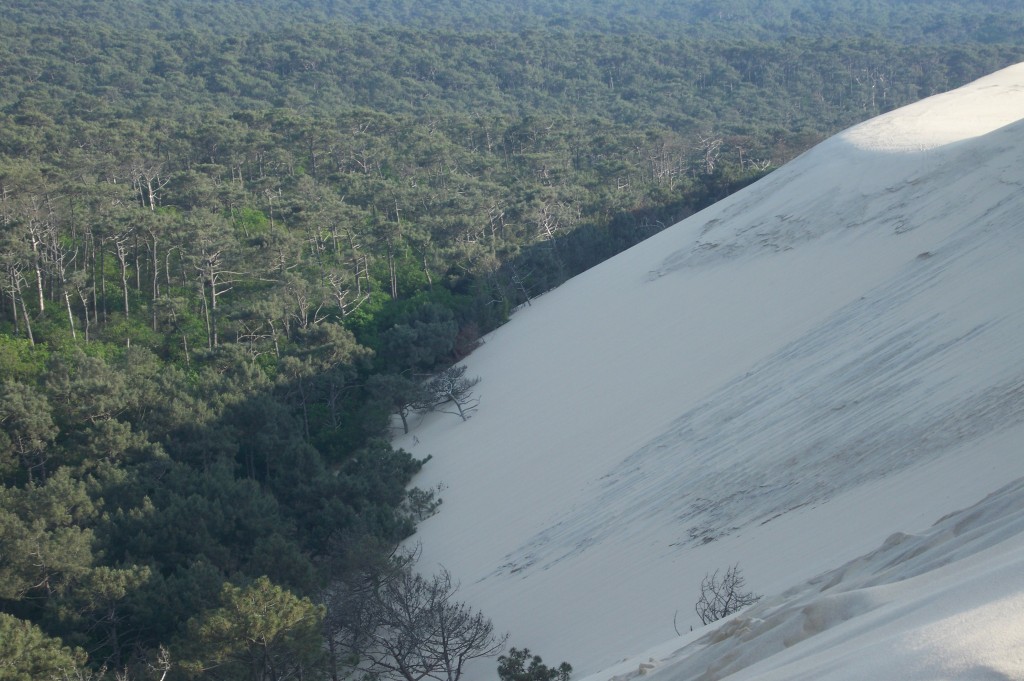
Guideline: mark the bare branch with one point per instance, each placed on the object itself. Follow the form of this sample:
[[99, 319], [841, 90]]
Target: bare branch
[[722, 597], [408, 628]]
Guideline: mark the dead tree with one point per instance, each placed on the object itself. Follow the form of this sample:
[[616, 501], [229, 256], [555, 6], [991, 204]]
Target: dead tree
[[451, 387], [148, 183], [409, 628], [722, 597], [13, 282]]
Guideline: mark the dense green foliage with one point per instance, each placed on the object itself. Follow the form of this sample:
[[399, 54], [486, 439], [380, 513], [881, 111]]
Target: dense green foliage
[[26, 654], [909, 21], [514, 667], [236, 237]]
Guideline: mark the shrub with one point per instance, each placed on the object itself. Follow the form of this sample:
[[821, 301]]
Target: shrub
[[722, 597], [513, 667]]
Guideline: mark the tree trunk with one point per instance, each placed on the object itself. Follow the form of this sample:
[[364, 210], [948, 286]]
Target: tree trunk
[[213, 310], [156, 280], [36, 262], [392, 270], [138, 269], [206, 315], [71, 317], [103, 283], [14, 310], [28, 323], [85, 306], [122, 258]]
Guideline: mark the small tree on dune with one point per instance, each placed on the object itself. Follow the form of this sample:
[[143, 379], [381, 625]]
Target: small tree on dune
[[720, 597], [451, 387]]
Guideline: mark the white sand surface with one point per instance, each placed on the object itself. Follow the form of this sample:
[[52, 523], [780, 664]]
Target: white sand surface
[[783, 381]]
